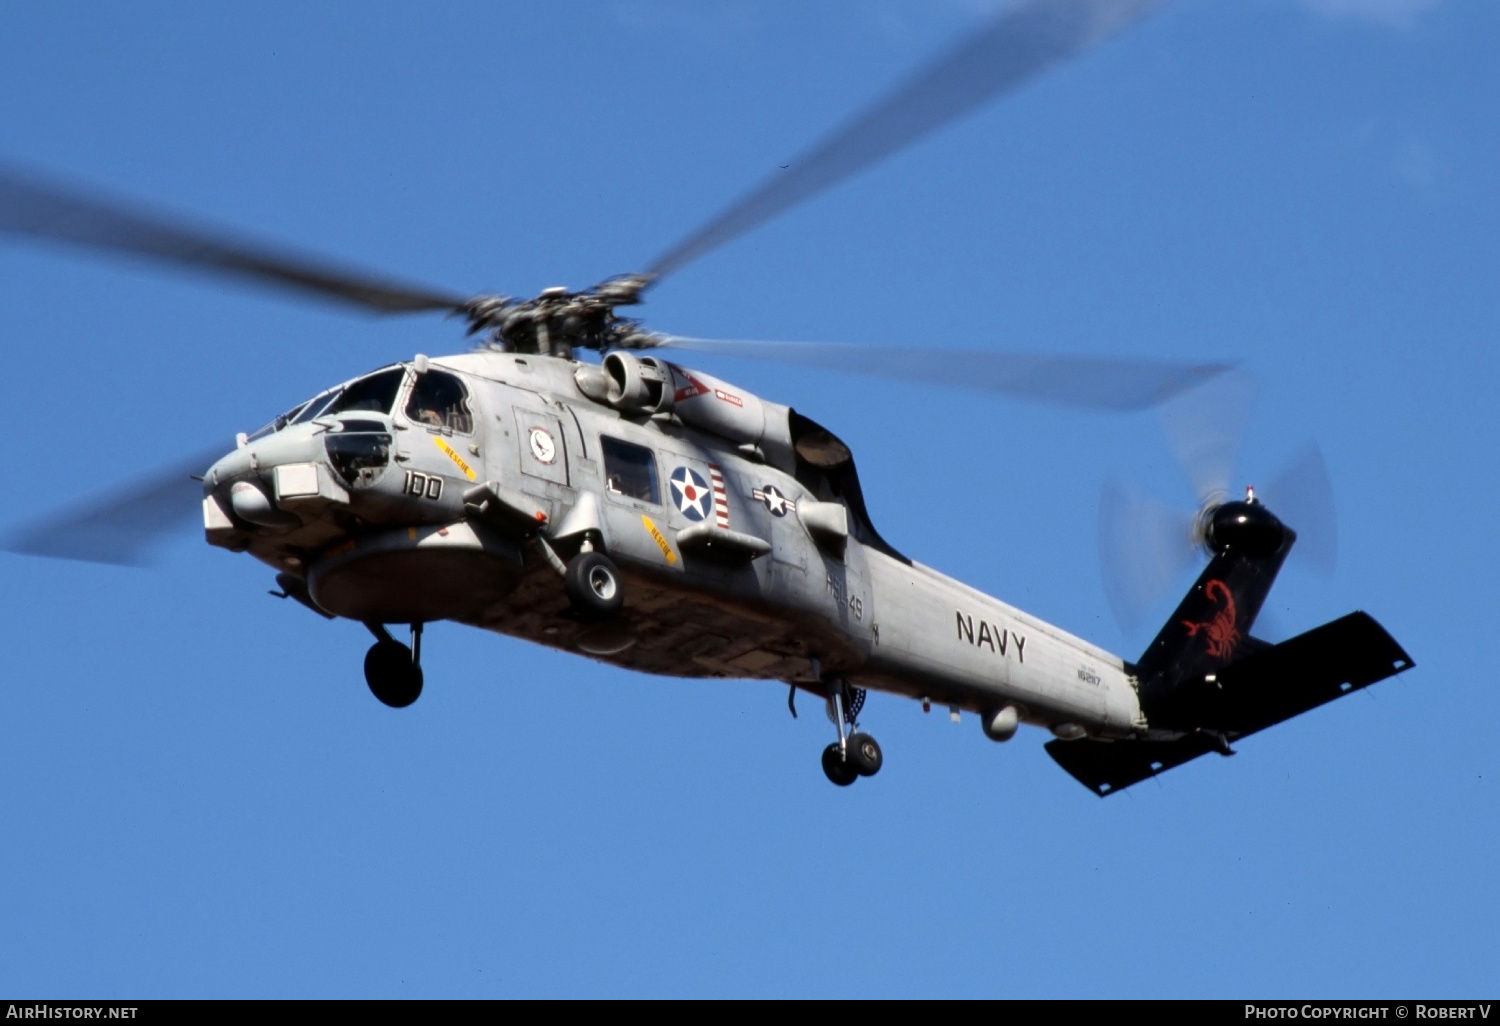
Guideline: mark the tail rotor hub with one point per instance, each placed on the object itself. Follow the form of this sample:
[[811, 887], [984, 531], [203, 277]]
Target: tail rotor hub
[[1245, 526]]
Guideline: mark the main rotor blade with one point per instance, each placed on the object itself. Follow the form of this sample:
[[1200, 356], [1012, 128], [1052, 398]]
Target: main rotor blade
[[120, 526], [1097, 383], [1301, 495], [1019, 44], [1145, 547], [46, 210]]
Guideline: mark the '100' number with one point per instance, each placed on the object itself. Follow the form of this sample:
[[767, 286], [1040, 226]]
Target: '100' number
[[423, 486]]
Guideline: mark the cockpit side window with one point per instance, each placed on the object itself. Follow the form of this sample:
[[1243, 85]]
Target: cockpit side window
[[629, 470], [439, 400], [373, 394]]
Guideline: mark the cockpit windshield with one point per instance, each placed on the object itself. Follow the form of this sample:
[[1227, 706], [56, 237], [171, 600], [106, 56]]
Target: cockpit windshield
[[277, 424], [314, 407], [373, 394]]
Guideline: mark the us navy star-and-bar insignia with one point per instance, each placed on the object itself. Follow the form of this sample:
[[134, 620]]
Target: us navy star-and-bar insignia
[[778, 504], [691, 494]]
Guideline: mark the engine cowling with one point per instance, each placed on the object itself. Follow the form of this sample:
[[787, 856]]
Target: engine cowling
[[649, 385], [638, 383], [706, 402]]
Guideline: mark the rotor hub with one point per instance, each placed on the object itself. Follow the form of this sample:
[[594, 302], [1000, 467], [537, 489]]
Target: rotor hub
[[557, 321]]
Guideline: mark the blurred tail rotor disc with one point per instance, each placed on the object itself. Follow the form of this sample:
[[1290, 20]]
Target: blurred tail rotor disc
[[1146, 546]]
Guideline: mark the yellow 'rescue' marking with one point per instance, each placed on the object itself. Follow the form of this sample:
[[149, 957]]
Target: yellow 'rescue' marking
[[458, 460], [661, 543]]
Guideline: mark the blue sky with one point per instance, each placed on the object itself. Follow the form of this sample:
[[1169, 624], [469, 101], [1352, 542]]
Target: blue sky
[[200, 797]]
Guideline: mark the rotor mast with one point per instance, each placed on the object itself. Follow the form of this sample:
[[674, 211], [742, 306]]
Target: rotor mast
[[556, 321]]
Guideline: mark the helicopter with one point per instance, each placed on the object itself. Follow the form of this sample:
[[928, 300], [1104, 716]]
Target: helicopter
[[653, 516]]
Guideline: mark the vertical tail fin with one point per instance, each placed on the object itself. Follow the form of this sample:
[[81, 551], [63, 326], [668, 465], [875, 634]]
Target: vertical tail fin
[[1205, 683], [1211, 627]]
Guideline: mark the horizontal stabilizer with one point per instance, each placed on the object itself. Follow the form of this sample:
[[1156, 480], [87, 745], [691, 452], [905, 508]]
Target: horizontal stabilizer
[[1105, 767], [1257, 692], [1288, 679]]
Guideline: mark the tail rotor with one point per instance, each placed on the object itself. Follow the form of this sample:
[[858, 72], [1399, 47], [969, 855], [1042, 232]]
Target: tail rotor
[[1147, 546]]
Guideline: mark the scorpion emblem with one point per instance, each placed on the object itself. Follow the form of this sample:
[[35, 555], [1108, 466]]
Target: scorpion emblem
[[1220, 630]]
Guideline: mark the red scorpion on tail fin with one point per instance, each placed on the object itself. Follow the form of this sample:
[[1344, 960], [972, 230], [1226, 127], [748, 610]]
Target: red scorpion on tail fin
[[1220, 631]]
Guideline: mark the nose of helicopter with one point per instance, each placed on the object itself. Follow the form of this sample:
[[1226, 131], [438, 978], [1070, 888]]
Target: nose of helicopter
[[265, 481]]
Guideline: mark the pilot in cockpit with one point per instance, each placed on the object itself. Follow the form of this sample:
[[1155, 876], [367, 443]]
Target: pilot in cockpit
[[440, 401]]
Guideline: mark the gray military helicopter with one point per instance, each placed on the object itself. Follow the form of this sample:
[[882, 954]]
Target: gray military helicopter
[[658, 518]]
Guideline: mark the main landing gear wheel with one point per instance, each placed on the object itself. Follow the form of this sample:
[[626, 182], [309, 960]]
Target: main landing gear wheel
[[594, 586], [393, 671], [853, 755], [864, 755], [838, 768]]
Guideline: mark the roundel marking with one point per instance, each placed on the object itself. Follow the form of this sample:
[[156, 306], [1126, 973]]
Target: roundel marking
[[778, 504], [691, 494]]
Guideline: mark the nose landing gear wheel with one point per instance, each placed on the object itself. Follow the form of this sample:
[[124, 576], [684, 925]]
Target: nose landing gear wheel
[[838, 768], [392, 675], [594, 586]]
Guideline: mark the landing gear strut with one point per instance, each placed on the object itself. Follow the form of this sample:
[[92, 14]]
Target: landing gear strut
[[393, 671], [853, 755]]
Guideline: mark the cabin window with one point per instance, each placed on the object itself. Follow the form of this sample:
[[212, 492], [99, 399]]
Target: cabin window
[[440, 401], [629, 470]]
